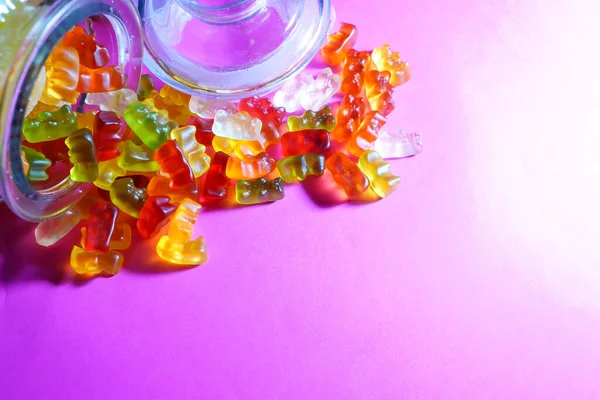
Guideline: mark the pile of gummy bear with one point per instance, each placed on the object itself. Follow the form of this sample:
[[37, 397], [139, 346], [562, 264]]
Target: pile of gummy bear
[[157, 157]]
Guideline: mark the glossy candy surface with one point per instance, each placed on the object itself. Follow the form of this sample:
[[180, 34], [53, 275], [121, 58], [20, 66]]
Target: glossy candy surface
[[82, 154], [250, 167], [322, 119], [381, 180], [298, 168], [305, 142], [347, 174], [259, 191]]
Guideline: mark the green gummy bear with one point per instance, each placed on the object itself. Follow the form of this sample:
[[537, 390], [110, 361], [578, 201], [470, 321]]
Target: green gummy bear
[[322, 119], [82, 154], [38, 164], [150, 126], [258, 191], [50, 125]]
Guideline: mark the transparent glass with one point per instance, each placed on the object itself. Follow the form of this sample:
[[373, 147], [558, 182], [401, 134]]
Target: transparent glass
[[29, 30], [231, 48]]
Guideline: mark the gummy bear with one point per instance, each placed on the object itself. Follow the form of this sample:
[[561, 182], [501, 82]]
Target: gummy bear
[[386, 60], [86, 120], [108, 172], [367, 133], [146, 88], [292, 91], [250, 167], [204, 133], [379, 91], [339, 43], [62, 76], [177, 247], [127, 197], [237, 148], [322, 119], [381, 179], [398, 145], [182, 224], [353, 74], [151, 127], [137, 158], [217, 182], [82, 155], [52, 230], [154, 215], [263, 109], [174, 164], [207, 108], [174, 102], [269, 135], [192, 252], [240, 126], [50, 125], [259, 191], [304, 142], [161, 186], [195, 153], [108, 135], [38, 164], [298, 168], [120, 240], [116, 101], [86, 263], [347, 174], [100, 80], [91, 54], [348, 117], [100, 227], [321, 90]]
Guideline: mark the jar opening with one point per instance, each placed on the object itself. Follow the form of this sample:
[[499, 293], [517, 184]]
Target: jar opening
[[35, 164]]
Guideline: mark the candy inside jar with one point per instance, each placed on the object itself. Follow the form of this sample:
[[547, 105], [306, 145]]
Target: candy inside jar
[[58, 53]]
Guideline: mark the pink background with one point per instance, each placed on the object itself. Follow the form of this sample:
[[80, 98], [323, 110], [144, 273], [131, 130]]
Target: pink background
[[478, 279]]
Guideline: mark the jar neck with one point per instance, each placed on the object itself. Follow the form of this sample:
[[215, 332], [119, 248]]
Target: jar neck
[[222, 12], [38, 36]]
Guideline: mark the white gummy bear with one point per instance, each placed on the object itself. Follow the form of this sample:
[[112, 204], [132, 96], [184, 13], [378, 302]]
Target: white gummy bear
[[240, 126], [321, 90], [116, 101], [398, 145], [206, 108], [292, 91]]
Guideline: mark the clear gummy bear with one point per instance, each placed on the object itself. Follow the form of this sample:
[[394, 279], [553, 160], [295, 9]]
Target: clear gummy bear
[[292, 91], [321, 90], [240, 126], [398, 145], [116, 101], [207, 108]]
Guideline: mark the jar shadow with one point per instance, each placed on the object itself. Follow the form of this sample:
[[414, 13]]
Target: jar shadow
[[23, 260]]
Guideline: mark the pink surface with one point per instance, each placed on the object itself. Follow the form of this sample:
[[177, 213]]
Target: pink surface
[[478, 279]]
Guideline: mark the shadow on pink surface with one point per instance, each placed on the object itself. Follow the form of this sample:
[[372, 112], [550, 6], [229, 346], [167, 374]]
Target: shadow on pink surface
[[21, 259]]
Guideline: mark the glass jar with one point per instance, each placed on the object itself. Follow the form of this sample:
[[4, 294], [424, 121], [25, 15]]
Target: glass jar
[[29, 30], [231, 49]]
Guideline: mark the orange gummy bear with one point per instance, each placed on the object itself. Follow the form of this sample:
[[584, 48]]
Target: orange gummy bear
[[105, 79], [91, 54], [353, 74], [348, 118], [379, 91], [367, 133], [339, 43]]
